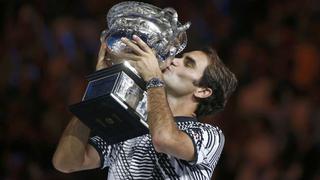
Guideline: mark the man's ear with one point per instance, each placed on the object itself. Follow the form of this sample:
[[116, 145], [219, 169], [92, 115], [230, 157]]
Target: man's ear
[[202, 92]]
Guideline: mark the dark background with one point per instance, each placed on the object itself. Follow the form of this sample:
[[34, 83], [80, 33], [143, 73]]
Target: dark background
[[271, 123]]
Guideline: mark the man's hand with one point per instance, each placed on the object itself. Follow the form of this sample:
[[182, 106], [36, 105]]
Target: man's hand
[[102, 62], [142, 58], [104, 55]]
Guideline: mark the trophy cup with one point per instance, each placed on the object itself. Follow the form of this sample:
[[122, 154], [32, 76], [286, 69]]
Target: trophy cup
[[114, 105]]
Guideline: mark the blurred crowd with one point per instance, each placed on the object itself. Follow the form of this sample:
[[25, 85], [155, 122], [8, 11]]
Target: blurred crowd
[[271, 122]]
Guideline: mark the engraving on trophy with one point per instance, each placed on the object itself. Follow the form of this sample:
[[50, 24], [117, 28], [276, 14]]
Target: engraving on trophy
[[99, 121], [107, 121], [128, 91]]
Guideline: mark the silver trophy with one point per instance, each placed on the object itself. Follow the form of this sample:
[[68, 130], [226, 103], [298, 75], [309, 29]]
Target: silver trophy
[[114, 105]]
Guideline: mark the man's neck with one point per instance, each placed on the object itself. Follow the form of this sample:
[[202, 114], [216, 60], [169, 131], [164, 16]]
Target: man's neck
[[182, 106]]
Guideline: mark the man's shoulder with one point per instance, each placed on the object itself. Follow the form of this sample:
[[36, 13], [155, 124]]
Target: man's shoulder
[[191, 122]]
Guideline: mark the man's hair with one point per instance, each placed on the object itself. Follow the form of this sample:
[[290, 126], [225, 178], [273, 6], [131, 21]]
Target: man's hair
[[220, 80]]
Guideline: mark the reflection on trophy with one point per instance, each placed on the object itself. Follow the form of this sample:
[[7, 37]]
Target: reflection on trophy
[[114, 105]]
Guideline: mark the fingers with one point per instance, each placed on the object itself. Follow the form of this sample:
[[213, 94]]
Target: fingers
[[101, 57], [142, 44], [136, 49], [102, 52], [103, 36], [129, 56], [139, 47]]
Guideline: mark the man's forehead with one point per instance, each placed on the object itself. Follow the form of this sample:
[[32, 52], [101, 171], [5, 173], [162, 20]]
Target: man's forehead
[[196, 55]]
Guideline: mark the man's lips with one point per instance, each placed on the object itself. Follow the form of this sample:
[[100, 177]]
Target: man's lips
[[170, 68], [167, 69]]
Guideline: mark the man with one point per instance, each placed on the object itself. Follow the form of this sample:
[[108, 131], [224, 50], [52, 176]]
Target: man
[[177, 146]]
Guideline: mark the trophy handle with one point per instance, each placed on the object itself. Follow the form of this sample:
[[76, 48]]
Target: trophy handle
[[174, 23], [174, 20], [176, 30]]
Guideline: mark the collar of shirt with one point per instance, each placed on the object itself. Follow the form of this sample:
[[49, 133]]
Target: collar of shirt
[[185, 119]]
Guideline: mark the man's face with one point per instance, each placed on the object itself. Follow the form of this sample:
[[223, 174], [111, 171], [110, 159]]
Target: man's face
[[182, 73]]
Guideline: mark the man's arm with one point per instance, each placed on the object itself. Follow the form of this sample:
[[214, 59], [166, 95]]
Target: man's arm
[[73, 152], [166, 136]]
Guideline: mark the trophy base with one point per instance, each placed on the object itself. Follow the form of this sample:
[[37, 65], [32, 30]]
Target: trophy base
[[106, 111]]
